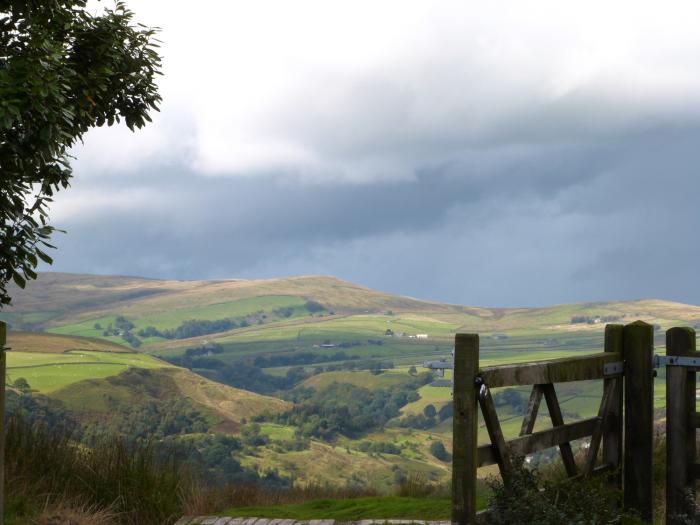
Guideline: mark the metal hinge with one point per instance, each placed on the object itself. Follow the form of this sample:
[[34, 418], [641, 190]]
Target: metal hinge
[[675, 360]]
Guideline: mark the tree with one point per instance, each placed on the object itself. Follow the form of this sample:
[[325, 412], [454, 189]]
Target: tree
[[413, 371], [22, 384], [437, 449], [63, 71], [429, 411], [446, 411]]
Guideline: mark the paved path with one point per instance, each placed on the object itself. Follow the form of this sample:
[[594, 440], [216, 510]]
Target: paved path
[[216, 520]]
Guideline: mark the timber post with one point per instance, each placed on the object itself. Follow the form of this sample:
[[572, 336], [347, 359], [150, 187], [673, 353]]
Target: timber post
[[680, 428], [612, 433], [3, 376], [464, 429], [638, 350]]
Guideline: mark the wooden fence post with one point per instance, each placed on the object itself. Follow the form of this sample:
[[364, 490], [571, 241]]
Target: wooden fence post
[[464, 429], [680, 429], [638, 350], [612, 433], [3, 376]]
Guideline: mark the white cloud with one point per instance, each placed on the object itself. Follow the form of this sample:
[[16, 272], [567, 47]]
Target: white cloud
[[323, 90], [490, 153]]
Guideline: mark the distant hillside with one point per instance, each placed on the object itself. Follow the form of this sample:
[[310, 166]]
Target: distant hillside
[[59, 298], [87, 305]]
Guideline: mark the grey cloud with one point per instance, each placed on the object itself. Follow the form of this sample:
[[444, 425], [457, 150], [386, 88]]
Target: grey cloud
[[496, 226]]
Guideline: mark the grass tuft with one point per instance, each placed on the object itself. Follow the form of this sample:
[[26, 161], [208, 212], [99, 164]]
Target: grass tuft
[[45, 468]]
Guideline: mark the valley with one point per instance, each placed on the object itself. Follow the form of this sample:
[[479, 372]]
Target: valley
[[276, 364]]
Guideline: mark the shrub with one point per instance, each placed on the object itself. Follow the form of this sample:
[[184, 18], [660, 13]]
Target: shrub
[[416, 485], [314, 307], [579, 502], [446, 411]]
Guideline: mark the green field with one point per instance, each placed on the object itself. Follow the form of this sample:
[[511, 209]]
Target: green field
[[47, 372], [277, 432], [361, 378]]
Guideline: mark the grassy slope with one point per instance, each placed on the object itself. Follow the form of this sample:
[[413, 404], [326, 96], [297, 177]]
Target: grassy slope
[[224, 404], [343, 463]]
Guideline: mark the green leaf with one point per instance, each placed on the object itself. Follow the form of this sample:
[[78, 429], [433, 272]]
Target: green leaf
[[44, 257], [19, 280]]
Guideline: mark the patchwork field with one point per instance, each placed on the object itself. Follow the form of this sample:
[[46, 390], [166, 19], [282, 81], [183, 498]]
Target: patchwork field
[[274, 316]]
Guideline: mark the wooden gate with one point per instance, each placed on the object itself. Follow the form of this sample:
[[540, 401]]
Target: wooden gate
[[631, 345]]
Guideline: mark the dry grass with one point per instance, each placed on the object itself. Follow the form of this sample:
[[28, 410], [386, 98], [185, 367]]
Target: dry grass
[[230, 403], [416, 485], [48, 473], [65, 514]]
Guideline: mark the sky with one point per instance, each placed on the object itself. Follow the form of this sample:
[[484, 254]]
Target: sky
[[496, 153]]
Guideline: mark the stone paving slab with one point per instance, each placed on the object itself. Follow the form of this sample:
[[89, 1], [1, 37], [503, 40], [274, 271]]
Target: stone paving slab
[[223, 520]]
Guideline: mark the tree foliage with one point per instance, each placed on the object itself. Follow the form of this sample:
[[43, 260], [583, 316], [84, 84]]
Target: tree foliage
[[63, 71], [346, 409]]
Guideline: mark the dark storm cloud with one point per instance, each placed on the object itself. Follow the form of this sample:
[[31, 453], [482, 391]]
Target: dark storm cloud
[[513, 224]]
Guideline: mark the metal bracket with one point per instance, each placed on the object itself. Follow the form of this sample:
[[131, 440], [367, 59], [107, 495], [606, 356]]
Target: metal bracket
[[675, 360], [613, 369]]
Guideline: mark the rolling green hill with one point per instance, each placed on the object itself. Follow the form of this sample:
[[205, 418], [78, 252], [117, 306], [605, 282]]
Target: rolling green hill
[[104, 344], [225, 406], [96, 377], [318, 314]]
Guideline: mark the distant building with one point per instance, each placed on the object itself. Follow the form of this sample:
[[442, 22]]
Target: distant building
[[421, 336]]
